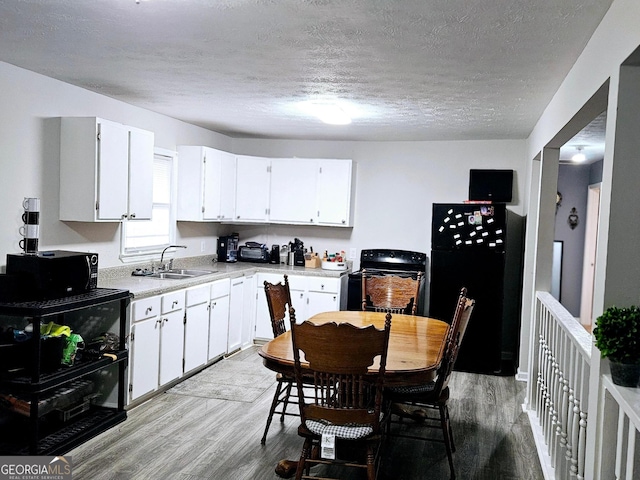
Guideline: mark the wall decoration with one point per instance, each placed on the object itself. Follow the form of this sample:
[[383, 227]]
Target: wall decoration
[[558, 200], [573, 219]]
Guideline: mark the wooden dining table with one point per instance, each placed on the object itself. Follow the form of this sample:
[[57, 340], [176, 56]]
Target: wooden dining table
[[416, 348], [416, 345]]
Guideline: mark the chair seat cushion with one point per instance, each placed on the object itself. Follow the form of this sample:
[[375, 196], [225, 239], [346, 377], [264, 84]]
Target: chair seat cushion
[[348, 431], [413, 389]]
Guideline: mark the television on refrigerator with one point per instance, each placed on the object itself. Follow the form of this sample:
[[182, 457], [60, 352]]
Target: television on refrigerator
[[491, 185]]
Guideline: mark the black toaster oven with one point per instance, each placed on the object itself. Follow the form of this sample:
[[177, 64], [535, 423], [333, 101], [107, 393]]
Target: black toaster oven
[[54, 273], [253, 252]]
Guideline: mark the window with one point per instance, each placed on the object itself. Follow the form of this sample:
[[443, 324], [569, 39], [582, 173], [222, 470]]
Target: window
[[143, 238]]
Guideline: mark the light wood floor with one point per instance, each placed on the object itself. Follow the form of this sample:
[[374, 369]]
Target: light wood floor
[[180, 437]]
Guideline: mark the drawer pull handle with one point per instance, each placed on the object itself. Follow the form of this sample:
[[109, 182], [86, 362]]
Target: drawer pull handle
[[149, 310]]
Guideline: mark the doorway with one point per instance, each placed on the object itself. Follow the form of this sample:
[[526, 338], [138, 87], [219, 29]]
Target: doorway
[[590, 247]]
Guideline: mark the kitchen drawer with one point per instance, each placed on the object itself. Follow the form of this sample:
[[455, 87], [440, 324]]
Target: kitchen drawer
[[198, 295], [323, 284], [220, 288], [145, 308], [172, 301], [297, 283]]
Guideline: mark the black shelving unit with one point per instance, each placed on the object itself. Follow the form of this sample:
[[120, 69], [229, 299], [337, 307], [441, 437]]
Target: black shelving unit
[[37, 433]]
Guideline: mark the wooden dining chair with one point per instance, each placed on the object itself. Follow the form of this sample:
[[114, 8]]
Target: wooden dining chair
[[345, 401], [395, 293], [279, 303], [417, 401]]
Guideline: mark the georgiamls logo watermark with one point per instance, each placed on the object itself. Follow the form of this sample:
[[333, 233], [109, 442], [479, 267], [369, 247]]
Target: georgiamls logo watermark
[[35, 468]]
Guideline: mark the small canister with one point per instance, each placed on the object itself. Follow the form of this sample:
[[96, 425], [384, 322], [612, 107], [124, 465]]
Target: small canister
[[291, 258], [274, 256]]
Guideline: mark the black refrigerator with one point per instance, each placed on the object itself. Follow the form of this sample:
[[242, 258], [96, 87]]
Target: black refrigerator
[[479, 246]]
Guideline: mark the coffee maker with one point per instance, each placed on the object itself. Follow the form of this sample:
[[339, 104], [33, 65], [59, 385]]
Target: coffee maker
[[228, 248]]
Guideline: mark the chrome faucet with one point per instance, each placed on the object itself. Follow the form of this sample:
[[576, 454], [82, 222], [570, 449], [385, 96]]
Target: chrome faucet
[[162, 265]]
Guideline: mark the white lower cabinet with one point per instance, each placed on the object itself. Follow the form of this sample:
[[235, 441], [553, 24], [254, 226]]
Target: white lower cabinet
[[249, 307], [298, 290], [196, 327], [171, 336], [323, 295], [144, 347], [182, 331], [218, 318], [309, 296], [236, 312], [241, 313], [157, 342]]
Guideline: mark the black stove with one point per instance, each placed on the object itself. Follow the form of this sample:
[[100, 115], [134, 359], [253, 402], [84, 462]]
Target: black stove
[[385, 260]]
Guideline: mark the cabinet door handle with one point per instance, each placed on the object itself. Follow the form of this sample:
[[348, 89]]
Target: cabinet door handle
[[133, 215], [148, 310]]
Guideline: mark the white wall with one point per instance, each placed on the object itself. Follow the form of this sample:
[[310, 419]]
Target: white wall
[[396, 184], [29, 159], [573, 182]]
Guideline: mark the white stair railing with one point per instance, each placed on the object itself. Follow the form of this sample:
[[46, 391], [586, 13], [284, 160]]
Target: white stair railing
[[558, 403], [558, 400]]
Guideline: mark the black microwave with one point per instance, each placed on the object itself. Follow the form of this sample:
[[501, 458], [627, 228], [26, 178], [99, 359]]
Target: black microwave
[[54, 273]]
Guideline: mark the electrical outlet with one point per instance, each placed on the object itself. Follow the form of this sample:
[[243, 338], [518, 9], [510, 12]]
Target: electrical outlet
[[202, 246], [352, 254]]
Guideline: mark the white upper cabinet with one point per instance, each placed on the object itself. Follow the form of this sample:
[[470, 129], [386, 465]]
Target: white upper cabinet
[[293, 191], [106, 171], [311, 191], [252, 189], [140, 193], [335, 189], [219, 186], [206, 182]]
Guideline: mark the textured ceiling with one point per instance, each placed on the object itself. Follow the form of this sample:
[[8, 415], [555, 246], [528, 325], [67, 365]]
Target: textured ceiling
[[404, 69]]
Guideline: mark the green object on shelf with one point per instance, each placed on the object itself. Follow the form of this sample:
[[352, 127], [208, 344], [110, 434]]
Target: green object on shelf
[[74, 342], [54, 330]]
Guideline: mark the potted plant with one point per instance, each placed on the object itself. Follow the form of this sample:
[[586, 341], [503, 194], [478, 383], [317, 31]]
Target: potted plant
[[617, 335]]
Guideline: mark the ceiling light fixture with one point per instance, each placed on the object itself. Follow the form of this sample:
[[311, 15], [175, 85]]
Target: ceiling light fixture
[[579, 157], [329, 112]]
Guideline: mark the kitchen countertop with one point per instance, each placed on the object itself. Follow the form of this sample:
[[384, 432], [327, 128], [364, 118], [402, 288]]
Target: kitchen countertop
[[141, 287]]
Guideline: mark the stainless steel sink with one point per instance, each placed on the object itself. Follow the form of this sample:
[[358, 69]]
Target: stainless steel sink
[[181, 274], [190, 273]]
